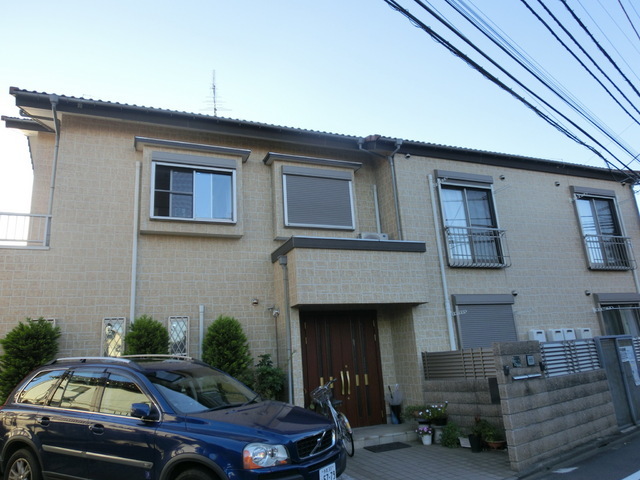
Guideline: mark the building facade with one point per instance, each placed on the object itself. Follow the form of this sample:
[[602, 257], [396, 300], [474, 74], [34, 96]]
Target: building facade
[[341, 256]]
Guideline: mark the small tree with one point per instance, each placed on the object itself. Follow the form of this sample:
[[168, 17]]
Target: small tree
[[225, 347], [146, 336], [26, 347], [268, 379]]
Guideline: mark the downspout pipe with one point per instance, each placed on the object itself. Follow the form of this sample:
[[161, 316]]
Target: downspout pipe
[[200, 329], [443, 271], [54, 99], [287, 313], [394, 180], [134, 244]]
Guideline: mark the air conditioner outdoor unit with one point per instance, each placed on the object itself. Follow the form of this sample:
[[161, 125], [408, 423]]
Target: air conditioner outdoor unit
[[374, 236], [569, 333]]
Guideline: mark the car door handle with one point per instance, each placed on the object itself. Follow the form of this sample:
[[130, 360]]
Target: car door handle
[[44, 421], [97, 428]]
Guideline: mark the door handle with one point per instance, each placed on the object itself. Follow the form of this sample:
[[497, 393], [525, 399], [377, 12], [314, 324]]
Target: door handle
[[44, 421], [342, 378], [348, 384], [97, 428]]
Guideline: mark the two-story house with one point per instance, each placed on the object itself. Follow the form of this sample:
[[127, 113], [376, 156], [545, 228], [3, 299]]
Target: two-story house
[[341, 256]]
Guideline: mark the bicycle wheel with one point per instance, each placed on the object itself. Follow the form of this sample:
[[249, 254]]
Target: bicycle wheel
[[344, 432]]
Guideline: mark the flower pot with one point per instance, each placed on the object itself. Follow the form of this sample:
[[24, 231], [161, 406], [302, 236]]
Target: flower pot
[[476, 443], [437, 434], [426, 439], [440, 421], [496, 444]]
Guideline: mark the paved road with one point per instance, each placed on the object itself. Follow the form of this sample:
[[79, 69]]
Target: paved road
[[616, 461]]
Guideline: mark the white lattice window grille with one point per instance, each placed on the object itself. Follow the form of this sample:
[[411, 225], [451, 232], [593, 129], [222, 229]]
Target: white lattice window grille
[[52, 321], [113, 332], [178, 335]]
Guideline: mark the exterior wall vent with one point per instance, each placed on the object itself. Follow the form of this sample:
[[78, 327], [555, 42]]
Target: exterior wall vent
[[373, 236]]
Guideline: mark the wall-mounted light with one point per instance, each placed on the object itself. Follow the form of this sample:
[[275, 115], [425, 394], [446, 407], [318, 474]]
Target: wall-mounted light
[[587, 292], [502, 177], [557, 184], [255, 301], [514, 293]]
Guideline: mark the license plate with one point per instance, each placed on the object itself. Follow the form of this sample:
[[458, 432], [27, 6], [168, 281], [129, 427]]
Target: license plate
[[328, 472]]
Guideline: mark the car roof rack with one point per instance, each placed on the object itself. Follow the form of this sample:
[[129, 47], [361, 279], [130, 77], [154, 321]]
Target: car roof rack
[[148, 356], [89, 359]]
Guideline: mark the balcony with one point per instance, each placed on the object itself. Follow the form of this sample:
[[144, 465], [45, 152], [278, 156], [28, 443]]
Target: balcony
[[347, 271], [477, 247], [609, 252], [21, 230]]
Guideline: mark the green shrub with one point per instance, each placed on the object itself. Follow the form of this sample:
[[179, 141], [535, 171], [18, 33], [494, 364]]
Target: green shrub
[[26, 347], [268, 379], [450, 434], [146, 336], [225, 347]]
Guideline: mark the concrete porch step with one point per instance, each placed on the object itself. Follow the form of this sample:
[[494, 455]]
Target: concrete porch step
[[383, 434]]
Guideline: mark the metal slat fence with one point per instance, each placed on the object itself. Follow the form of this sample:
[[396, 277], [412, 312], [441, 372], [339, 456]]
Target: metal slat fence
[[468, 363], [559, 358]]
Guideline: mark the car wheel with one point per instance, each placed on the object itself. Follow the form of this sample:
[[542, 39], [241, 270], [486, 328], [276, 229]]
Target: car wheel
[[22, 466], [195, 474]]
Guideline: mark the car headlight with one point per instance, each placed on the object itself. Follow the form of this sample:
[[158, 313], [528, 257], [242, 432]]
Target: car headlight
[[261, 455]]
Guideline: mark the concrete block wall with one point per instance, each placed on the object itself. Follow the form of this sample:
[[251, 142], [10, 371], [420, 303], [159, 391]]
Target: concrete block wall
[[468, 399], [545, 417], [542, 417]]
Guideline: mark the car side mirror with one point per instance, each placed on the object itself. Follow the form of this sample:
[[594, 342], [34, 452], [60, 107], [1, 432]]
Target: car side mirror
[[143, 411]]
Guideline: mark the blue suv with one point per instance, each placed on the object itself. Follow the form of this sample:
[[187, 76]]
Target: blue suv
[[157, 418]]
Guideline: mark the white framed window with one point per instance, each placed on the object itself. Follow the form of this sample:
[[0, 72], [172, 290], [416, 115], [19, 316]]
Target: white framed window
[[318, 198], [619, 312], [192, 187], [470, 221], [606, 246], [178, 328], [113, 332]]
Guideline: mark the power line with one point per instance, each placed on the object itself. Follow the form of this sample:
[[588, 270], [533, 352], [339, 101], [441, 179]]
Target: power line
[[438, 38], [456, 51], [602, 50]]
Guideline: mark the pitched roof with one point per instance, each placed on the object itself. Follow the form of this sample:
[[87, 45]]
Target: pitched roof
[[37, 106]]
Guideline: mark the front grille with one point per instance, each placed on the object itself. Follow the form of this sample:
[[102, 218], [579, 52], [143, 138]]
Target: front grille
[[315, 444]]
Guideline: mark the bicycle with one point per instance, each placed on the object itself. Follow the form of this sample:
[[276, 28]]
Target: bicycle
[[323, 397]]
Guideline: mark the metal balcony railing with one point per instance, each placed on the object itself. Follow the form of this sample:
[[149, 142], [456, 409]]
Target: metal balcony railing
[[609, 252], [477, 247], [21, 230]]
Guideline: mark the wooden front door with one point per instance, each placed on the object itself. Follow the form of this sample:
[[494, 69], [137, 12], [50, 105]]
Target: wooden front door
[[344, 345]]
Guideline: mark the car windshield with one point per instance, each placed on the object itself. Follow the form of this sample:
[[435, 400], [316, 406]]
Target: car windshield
[[199, 388]]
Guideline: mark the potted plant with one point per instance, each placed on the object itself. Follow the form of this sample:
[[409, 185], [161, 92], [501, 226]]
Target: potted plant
[[487, 433], [425, 433], [439, 413], [413, 412], [475, 437]]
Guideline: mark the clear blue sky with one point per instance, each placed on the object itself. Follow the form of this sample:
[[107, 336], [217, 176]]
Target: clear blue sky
[[353, 67]]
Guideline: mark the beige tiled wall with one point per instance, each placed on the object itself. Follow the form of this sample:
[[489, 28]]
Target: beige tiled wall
[[86, 274]]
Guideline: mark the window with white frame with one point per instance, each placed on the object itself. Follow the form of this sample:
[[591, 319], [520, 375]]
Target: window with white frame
[[193, 187], [620, 313], [178, 335], [607, 248], [470, 221], [113, 332], [318, 198]]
